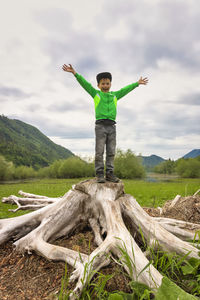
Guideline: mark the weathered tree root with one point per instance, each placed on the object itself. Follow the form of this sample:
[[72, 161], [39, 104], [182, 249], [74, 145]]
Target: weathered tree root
[[107, 210]]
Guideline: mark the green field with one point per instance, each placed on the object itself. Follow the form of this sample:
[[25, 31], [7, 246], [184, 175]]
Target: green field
[[154, 194], [151, 194]]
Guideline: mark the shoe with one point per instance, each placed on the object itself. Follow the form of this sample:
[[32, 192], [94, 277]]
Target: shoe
[[100, 178], [111, 177]]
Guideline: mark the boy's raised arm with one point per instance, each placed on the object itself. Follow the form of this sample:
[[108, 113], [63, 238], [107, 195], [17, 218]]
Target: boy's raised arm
[[127, 89], [84, 83]]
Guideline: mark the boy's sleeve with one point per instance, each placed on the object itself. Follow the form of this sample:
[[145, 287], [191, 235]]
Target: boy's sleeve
[[125, 90], [86, 85]]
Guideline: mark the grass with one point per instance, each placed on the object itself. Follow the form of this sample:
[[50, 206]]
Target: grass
[[46, 187], [181, 279], [150, 194], [154, 194]]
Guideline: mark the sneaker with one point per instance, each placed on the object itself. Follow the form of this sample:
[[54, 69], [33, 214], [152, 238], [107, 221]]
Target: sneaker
[[100, 178], [111, 177]]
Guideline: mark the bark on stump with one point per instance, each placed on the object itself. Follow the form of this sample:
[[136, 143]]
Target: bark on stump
[[115, 218]]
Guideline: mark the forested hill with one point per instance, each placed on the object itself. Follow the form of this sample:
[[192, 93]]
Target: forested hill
[[24, 144], [192, 154], [151, 161]]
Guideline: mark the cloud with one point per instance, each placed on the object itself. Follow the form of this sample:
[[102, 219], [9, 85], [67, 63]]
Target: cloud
[[170, 120], [57, 20], [68, 132], [169, 30], [57, 128], [64, 42], [13, 92], [140, 44], [33, 108], [77, 145], [190, 99], [78, 105]]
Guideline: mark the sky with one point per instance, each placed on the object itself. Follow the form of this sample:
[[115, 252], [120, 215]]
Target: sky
[[158, 39]]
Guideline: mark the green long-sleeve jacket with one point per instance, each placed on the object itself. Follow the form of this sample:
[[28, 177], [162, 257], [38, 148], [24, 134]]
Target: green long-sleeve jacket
[[105, 103]]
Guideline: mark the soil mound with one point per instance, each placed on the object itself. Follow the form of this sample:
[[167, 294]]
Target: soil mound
[[181, 208]]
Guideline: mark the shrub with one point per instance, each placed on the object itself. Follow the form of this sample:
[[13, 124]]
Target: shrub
[[127, 165], [54, 169], [23, 172], [43, 172], [188, 168], [166, 167], [74, 167], [6, 169]]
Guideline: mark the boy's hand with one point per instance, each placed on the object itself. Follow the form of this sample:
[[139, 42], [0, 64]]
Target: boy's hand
[[69, 68], [143, 80]]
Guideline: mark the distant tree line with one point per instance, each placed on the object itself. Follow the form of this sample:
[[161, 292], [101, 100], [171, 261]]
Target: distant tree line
[[185, 168], [127, 165], [72, 167]]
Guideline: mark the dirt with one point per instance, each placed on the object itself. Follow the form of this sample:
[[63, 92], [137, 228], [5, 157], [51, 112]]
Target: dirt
[[33, 277], [186, 209], [24, 277]]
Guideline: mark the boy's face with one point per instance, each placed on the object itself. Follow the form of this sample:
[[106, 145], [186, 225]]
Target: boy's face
[[104, 85]]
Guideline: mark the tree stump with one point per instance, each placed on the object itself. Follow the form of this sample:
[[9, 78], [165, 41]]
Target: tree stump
[[115, 218]]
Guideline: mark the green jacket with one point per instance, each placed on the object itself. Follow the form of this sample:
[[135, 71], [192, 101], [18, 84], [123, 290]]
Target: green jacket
[[105, 103]]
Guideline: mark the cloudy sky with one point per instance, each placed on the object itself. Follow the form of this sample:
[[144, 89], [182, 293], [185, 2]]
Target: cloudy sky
[[159, 39]]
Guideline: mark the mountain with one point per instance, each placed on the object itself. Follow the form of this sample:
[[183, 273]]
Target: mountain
[[192, 154], [149, 162], [24, 144]]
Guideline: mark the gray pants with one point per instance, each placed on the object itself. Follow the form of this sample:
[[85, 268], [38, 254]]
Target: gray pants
[[105, 135]]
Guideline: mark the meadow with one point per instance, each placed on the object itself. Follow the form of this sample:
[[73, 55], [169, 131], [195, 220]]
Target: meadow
[[147, 193]]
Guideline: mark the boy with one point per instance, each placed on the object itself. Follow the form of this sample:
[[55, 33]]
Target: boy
[[105, 108]]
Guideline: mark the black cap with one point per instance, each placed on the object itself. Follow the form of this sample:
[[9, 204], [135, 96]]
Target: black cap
[[104, 75]]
